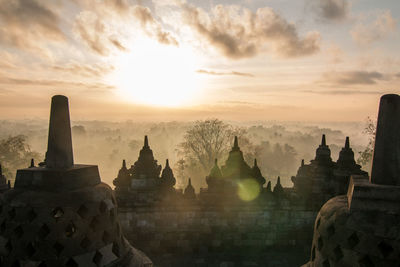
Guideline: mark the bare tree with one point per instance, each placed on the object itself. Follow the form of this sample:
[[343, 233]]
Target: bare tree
[[15, 154], [365, 156], [208, 140]]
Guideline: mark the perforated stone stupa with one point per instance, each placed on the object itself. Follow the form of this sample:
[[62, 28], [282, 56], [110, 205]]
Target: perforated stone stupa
[[61, 214]]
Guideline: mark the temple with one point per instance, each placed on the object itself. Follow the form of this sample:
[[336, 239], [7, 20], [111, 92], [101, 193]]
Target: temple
[[361, 228], [323, 178], [142, 184], [60, 213], [171, 224], [223, 183]]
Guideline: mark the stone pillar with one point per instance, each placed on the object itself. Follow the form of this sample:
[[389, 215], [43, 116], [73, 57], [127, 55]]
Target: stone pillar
[[386, 158], [59, 148]]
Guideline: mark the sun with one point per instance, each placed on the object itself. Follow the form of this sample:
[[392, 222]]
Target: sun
[[156, 74]]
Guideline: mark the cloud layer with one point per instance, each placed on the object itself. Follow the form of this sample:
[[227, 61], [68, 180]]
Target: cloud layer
[[236, 73], [353, 77], [365, 33], [239, 33], [330, 10], [24, 23]]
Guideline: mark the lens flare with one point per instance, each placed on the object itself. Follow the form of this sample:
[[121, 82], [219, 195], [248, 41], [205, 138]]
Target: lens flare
[[248, 189]]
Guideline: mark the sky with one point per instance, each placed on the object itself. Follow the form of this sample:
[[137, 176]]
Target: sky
[[290, 60]]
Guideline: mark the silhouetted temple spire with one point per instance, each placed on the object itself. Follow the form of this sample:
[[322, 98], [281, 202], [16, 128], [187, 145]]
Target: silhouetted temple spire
[[346, 156], [167, 176], [146, 141], [215, 171], [32, 163], [278, 189], [323, 153], [59, 147], [269, 189], [124, 164], [347, 144], [235, 144], [302, 162], [189, 192]]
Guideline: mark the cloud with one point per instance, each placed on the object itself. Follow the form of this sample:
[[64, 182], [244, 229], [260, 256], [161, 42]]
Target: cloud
[[353, 77], [330, 10], [225, 73], [86, 70], [335, 54], [98, 36], [365, 33], [51, 83], [117, 44], [239, 33], [343, 92], [151, 26], [25, 23]]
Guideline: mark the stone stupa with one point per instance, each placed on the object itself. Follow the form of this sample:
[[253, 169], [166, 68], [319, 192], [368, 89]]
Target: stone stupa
[[60, 213]]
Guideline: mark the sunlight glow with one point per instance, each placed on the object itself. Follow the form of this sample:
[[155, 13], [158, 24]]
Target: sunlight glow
[[248, 189], [158, 75]]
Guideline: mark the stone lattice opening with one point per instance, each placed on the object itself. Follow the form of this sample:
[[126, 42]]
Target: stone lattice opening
[[106, 238], [30, 250], [353, 240], [94, 224], [366, 262], [102, 207], [313, 254], [58, 248], [318, 222], [115, 249], [112, 215], [12, 213], [320, 243], [83, 211], [385, 248], [18, 231], [326, 263], [85, 243], [70, 229], [331, 230], [338, 253], [71, 263], [43, 231], [9, 246], [57, 213], [3, 227], [97, 258], [31, 215]]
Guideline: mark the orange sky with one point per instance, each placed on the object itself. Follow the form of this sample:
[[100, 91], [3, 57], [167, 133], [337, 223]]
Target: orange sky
[[306, 60]]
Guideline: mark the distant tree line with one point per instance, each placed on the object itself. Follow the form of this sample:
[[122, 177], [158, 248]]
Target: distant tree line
[[15, 154]]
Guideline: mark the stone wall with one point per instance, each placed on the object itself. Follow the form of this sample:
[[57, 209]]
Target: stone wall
[[203, 235]]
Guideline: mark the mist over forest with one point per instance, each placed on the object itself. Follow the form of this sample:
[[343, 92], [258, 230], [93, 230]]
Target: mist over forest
[[278, 146]]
